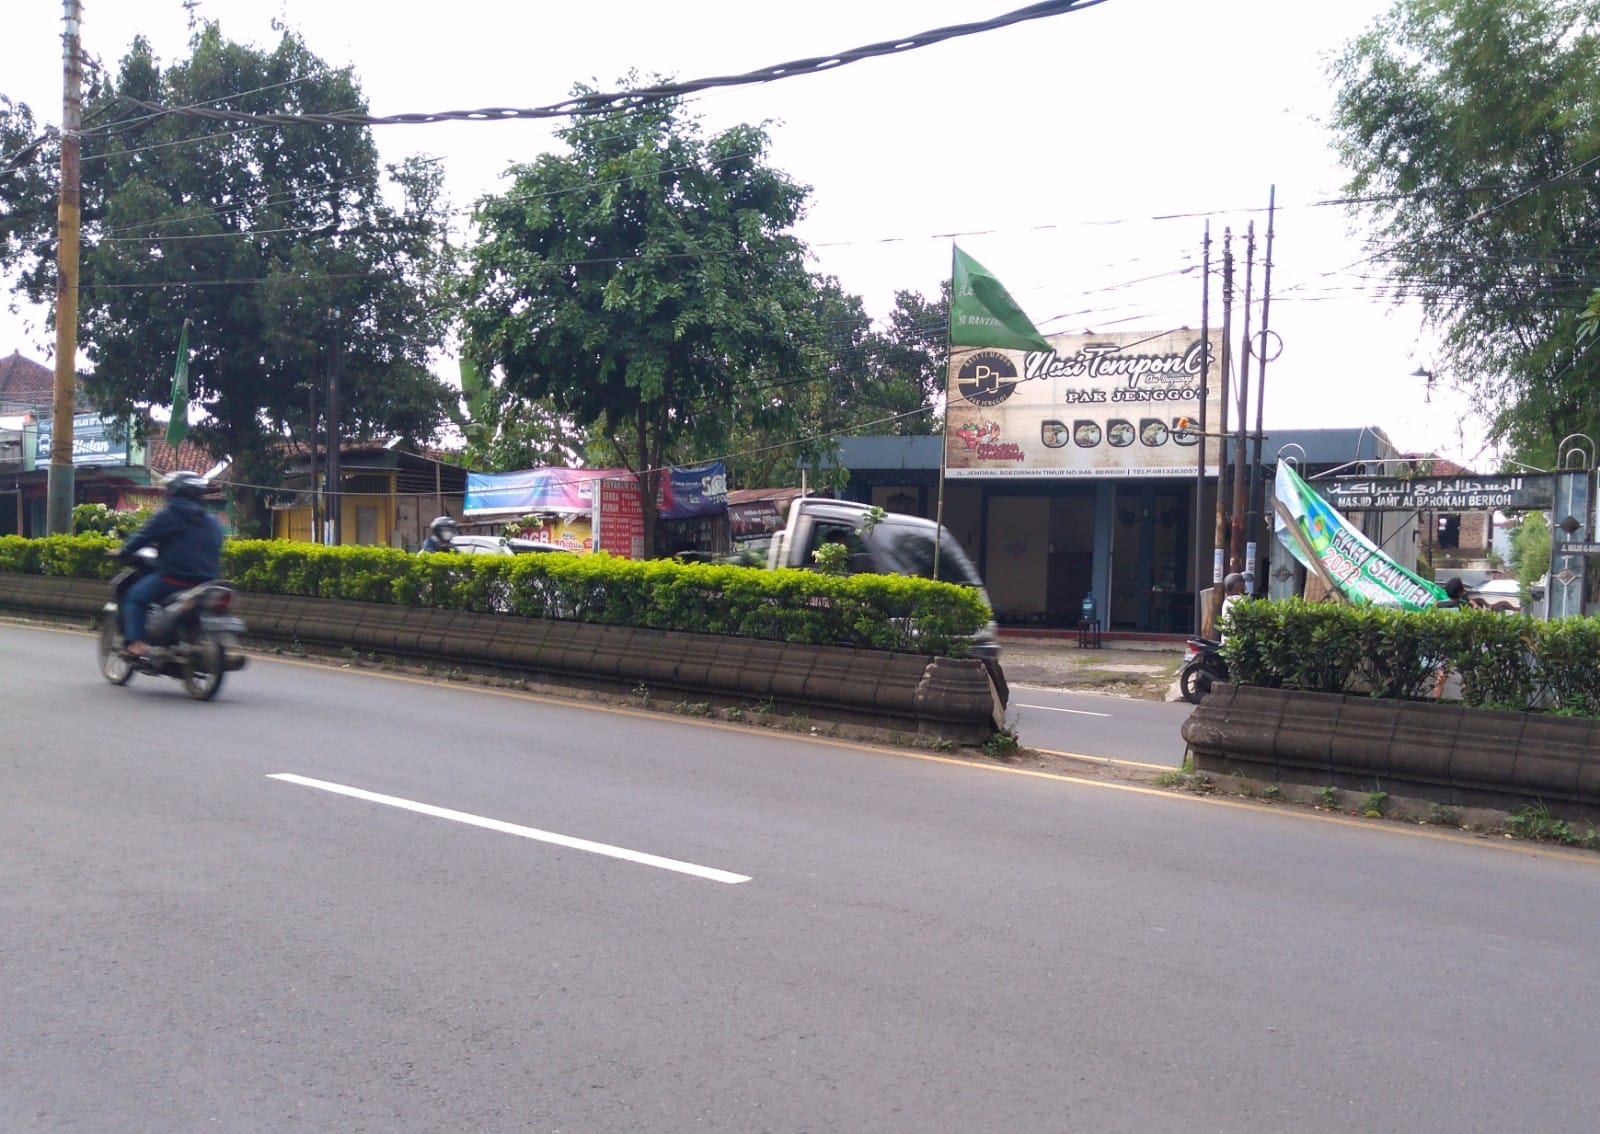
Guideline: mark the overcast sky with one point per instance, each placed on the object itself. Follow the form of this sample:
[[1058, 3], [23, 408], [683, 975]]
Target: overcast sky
[[1077, 157]]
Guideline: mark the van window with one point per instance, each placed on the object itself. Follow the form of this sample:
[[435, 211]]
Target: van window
[[824, 532], [911, 552]]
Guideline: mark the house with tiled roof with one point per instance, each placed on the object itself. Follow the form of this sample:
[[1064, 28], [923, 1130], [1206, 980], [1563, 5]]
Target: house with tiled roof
[[25, 385], [114, 462]]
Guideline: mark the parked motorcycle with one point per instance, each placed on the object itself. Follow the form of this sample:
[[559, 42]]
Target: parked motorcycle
[[191, 634], [1203, 665]]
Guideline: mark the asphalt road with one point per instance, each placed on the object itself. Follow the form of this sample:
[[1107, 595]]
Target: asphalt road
[[1089, 724], [534, 920]]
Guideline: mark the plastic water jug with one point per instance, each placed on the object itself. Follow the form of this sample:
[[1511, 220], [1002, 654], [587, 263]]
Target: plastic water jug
[[1089, 614]]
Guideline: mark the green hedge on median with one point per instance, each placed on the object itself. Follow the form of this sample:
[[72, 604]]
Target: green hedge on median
[[883, 612], [1504, 661]]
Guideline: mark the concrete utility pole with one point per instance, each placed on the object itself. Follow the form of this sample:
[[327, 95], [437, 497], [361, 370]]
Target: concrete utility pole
[[60, 488]]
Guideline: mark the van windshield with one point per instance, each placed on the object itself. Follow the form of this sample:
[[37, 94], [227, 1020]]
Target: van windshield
[[911, 551]]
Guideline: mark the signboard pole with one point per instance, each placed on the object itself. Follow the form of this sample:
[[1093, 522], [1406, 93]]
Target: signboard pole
[[1569, 525]]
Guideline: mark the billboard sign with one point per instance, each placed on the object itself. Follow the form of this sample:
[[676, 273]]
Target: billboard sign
[[619, 518], [1095, 406], [96, 440], [1438, 493]]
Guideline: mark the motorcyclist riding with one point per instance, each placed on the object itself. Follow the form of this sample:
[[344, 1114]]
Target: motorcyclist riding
[[440, 534], [188, 543]]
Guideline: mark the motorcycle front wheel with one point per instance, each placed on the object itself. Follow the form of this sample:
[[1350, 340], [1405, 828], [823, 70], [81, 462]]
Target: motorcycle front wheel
[[113, 666], [202, 665]]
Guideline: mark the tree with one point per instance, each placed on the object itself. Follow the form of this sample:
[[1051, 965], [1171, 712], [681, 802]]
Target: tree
[[504, 432], [644, 283], [25, 186], [1530, 551], [1469, 127], [916, 356], [286, 246]]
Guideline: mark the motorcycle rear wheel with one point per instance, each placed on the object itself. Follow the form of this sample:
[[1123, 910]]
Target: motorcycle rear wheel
[[202, 665], [113, 666], [1194, 683]]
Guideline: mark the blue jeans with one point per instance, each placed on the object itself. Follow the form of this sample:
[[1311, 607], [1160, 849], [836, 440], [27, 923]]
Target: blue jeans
[[151, 588]]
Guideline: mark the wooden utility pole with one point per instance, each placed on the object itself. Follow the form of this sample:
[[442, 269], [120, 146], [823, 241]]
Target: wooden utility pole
[[1200, 555], [1220, 540], [333, 464], [1252, 553], [60, 488], [1241, 483]]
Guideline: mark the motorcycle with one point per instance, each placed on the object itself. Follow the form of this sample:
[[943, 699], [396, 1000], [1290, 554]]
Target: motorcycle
[[191, 634], [1203, 665]]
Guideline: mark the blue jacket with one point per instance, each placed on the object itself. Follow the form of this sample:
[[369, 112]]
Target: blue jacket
[[187, 539]]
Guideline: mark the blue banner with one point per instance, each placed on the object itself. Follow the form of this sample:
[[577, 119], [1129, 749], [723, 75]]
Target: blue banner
[[695, 490]]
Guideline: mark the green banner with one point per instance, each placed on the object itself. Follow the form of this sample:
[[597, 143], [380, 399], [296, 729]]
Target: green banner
[[178, 423], [1326, 543], [982, 312]]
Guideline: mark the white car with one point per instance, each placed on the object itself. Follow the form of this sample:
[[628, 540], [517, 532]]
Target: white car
[[500, 545], [482, 545]]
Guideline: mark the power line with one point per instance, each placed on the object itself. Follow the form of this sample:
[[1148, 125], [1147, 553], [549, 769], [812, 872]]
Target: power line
[[602, 103]]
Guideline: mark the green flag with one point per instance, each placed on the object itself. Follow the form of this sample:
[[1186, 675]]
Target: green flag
[[1325, 542], [983, 314], [178, 426]]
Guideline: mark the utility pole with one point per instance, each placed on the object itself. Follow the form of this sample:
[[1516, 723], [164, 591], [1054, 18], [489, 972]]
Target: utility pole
[[1200, 555], [316, 489], [1220, 539], [1240, 482], [60, 488], [1256, 477], [335, 474]]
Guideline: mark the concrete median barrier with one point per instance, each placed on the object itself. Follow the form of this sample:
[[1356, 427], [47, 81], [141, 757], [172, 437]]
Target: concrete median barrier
[[1449, 753], [951, 698]]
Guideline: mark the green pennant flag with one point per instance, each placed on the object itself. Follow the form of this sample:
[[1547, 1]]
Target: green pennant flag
[[178, 426], [982, 312]]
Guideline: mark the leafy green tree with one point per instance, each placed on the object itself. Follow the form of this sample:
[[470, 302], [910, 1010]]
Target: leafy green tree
[[642, 283], [914, 360], [1469, 128], [25, 186], [1530, 551], [288, 247], [505, 432]]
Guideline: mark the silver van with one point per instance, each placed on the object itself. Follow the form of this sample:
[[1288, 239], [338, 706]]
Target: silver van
[[895, 545]]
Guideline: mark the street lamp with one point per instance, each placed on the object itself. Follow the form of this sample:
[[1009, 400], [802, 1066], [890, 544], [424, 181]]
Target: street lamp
[[1424, 372]]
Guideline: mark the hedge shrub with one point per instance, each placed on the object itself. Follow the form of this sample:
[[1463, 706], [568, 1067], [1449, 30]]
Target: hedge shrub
[[1504, 661], [885, 612]]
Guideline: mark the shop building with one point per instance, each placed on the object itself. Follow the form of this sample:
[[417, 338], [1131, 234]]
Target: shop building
[[1079, 474]]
